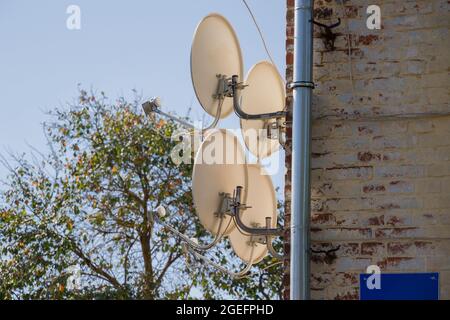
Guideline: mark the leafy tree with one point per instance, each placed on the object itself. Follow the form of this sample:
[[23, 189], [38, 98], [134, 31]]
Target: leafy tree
[[77, 222]]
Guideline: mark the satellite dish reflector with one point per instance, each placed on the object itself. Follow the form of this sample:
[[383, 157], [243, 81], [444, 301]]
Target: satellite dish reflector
[[215, 51], [265, 93], [262, 200], [219, 167]]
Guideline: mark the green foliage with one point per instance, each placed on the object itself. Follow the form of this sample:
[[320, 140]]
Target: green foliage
[[89, 202]]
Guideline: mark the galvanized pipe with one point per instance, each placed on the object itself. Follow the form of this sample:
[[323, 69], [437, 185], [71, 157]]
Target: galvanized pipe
[[301, 136]]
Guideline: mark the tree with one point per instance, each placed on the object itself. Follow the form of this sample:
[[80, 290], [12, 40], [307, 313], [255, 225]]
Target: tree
[[77, 222]]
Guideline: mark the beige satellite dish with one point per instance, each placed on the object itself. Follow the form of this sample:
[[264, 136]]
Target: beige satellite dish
[[262, 200], [215, 50], [265, 93], [220, 166]]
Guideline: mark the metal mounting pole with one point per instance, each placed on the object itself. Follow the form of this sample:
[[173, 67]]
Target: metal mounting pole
[[300, 205]]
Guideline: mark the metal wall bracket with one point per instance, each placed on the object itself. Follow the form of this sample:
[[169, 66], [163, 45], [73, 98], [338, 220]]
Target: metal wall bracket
[[236, 86], [260, 231], [327, 35]]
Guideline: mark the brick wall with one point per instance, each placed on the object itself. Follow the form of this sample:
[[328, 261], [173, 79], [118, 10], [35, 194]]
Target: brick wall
[[381, 144]]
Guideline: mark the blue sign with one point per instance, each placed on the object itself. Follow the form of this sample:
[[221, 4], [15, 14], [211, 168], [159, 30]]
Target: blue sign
[[399, 286]]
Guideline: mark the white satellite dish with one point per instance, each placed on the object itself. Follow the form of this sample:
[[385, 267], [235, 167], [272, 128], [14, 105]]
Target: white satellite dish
[[215, 51], [265, 93], [219, 167], [263, 203]]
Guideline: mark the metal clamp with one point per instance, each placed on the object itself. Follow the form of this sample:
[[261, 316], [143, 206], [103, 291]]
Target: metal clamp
[[301, 84], [226, 205], [224, 89]]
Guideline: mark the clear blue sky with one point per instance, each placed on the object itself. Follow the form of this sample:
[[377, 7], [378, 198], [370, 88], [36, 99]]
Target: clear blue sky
[[122, 45]]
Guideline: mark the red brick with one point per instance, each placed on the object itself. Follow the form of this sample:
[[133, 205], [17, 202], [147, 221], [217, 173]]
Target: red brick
[[374, 188], [322, 219], [372, 248], [321, 280], [346, 279], [348, 294], [404, 264], [396, 233], [368, 156], [400, 248]]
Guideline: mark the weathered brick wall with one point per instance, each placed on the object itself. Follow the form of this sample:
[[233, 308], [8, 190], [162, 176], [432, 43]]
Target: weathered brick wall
[[381, 144]]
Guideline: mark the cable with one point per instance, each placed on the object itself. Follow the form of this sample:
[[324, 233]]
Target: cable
[[273, 252], [260, 33], [227, 228], [326, 251], [349, 44], [217, 238], [385, 117], [216, 117], [235, 275], [271, 265], [264, 269]]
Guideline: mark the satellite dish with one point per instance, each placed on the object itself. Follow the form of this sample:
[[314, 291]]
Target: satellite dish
[[262, 200], [219, 167], [265, 93], [215, 51]]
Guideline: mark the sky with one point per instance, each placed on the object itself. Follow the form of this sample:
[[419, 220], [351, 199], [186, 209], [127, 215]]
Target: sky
[[122, 45]]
